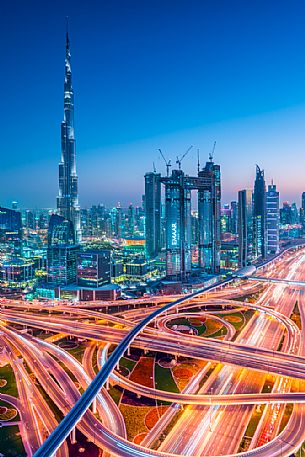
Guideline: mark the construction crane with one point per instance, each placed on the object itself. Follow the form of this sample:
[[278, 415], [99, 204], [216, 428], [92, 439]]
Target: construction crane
[[211, 155], [198, 160], [167, 163], [154, 167], [178, 161]]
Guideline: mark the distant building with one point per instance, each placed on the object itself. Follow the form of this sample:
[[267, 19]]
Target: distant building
[[94, 268], [11, 229], [302, 213], [259, 215], [153, 214], [273, 216], [294, 214], [73, 292], [16, 273], [245, 227], [234, 218], [136, 269], [285, 214]]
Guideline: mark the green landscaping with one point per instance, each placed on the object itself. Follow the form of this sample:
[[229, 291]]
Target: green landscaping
[[10, 388], [115, 394], [10, 442], [252, 426], [127, 363], [164, 379]]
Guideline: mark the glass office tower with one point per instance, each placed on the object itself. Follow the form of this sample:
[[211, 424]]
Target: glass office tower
[[245, 227], [209, 201], [153, 214], [259, 215]]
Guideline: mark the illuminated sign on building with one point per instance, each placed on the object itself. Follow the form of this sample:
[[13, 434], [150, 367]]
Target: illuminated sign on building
[[174, 234]]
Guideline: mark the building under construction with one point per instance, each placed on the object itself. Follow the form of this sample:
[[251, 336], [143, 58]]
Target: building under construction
[[178, 190]]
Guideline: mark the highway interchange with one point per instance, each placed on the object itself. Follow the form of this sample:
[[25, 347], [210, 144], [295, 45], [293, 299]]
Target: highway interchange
[[216, 412]]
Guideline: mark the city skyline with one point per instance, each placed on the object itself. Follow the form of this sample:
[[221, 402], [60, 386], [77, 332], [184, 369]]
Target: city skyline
[[152, 271], [263, 120]]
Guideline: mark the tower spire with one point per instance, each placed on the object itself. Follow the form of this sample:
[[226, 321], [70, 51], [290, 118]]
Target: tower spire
[[67, 200], [67, 33]]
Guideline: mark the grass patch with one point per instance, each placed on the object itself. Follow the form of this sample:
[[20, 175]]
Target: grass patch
[[10, 442], [252, 426], [77, 352], [134, 417], [212, 327], [10, 388], [268, 385], [164, 379], [115, 394], [286, 416], [127, 363]]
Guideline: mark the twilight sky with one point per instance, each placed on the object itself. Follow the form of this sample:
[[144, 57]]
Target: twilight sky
[[151, 74]]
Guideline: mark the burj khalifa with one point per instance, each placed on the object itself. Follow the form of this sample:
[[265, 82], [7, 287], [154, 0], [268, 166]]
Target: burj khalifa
[[67, 200]]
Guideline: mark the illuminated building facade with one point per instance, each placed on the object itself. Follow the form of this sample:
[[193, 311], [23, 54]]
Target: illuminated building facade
[[67, 200], [178, 226], [302, 213], [17, 273], [209, 201], [245, 228], [259, 215], [94, 268], [178, 221], [11, 230], [62, 251], [273, 216], [153, 214]]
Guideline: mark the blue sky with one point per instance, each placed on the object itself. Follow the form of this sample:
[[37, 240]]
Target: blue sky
[[149, 75]]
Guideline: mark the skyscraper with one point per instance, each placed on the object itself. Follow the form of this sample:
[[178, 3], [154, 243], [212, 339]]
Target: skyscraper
[[259, 215], [273, 219], [209, 197], [62, 251], [245, 227], [302, 213], [178, 226], [153, 213], [67, 200]]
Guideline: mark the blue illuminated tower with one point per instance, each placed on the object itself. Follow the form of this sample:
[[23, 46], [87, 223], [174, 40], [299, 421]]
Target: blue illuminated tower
[[259, 215], [209, 197], [67, 200], [153, 213]]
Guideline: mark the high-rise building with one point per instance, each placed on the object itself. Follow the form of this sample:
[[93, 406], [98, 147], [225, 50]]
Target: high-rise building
[[209, 199], [272, 216], [178, 226], [62, 251], [130, 220], [118, 228], [153, 214], [245, 227], [259, 215], [234, 218], [67, 200], [285, 214], [302, 213], [94, 268], [11, 230], [294, 214]]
